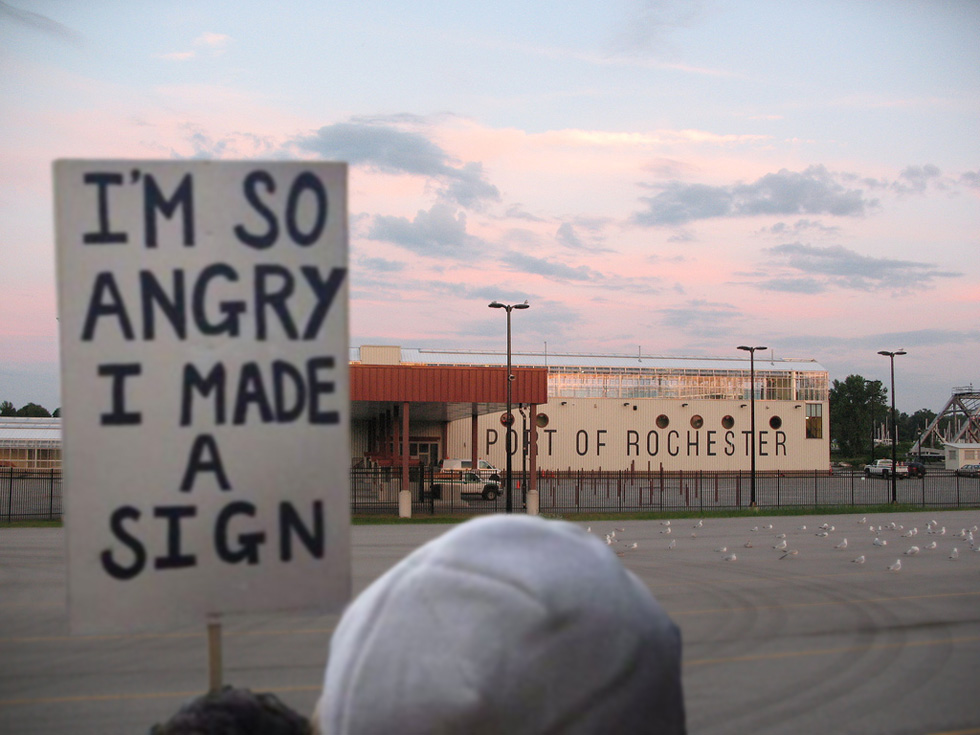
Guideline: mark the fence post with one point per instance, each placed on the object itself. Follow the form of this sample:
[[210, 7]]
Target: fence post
[[51, 494], [10, 493], [661, 487]]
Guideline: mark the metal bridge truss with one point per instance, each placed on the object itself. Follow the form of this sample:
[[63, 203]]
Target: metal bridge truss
[[957, 423]]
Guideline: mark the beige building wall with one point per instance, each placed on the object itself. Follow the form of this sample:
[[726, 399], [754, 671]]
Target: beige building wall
[[616, 434]]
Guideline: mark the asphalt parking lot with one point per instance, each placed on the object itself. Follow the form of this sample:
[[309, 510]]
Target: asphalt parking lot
[[811, 642]]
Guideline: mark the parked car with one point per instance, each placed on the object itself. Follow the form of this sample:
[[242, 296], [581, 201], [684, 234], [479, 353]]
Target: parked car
[[916, 469], [969, 470]]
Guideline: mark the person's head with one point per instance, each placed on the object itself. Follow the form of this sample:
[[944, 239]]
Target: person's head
[[505, 625], [231, 711]]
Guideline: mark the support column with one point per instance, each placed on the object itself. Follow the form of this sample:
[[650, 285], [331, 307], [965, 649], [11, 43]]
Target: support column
[[405, 494], [474, 438], [533, 498]]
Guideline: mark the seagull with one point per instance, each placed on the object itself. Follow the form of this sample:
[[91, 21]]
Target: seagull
[[635, 545], [699, 524], [666, 531], [912, 551], [694, 535], [747, 544], [608, 540], [672, 544], [863, 521], [931, 546], [859, 560], [896, 566], [825, 526], [664, 523], [722, 550], [755, 528], [730, 557], [954, 554], [942, 531], [822, 533], [589, 529], [791, 552], [908, 534], [623, 529], [831, 529], [880, 542], [781, 545], [769, 526], [780, 535], [611, 535], [802, 528], [841, 545]]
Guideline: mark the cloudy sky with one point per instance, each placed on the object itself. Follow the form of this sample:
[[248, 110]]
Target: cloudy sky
[[676, 177]]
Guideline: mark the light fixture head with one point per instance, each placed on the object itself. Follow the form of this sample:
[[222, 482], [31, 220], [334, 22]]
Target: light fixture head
[[525, 305], [496, 305]]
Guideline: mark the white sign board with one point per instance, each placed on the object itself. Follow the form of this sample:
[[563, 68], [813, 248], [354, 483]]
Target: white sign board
[[204, 362]]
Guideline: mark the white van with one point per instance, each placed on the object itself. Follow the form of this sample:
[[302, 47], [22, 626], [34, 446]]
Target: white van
[[484, 469]]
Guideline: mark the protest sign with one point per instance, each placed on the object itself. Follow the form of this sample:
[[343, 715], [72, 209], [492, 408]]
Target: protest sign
[[204, 351]]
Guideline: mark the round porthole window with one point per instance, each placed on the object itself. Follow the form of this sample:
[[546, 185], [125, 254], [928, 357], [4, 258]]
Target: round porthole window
[[696, 422], [728, 422], [775, 422], [662, 421]]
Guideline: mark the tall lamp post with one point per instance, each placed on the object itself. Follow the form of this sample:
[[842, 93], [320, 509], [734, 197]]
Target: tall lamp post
[[510, 418], [891, 358], [869, 384], [751, 351]]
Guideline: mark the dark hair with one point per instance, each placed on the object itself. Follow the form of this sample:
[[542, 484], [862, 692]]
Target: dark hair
[[232, 711]]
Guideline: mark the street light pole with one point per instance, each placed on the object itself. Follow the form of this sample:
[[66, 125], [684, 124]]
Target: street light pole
[[751, 351], [891, 358], [869, 384], [510, 418]]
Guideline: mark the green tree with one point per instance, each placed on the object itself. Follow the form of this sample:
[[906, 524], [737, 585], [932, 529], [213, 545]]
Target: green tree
[[7, 409], [855, 403], [33, 410]]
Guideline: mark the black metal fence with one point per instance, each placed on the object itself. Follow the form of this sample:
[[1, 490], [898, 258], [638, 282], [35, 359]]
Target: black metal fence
[[30, 495], [573, 491], [376, 490], [37, 494]]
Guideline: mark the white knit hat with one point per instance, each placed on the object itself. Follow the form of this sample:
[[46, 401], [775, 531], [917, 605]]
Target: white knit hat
[[507, 625]]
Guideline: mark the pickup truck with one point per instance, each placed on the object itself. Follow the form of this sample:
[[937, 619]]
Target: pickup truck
[[883, 468], [454, 485]]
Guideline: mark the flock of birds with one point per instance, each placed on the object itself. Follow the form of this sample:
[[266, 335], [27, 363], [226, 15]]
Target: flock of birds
[[780, 542]]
